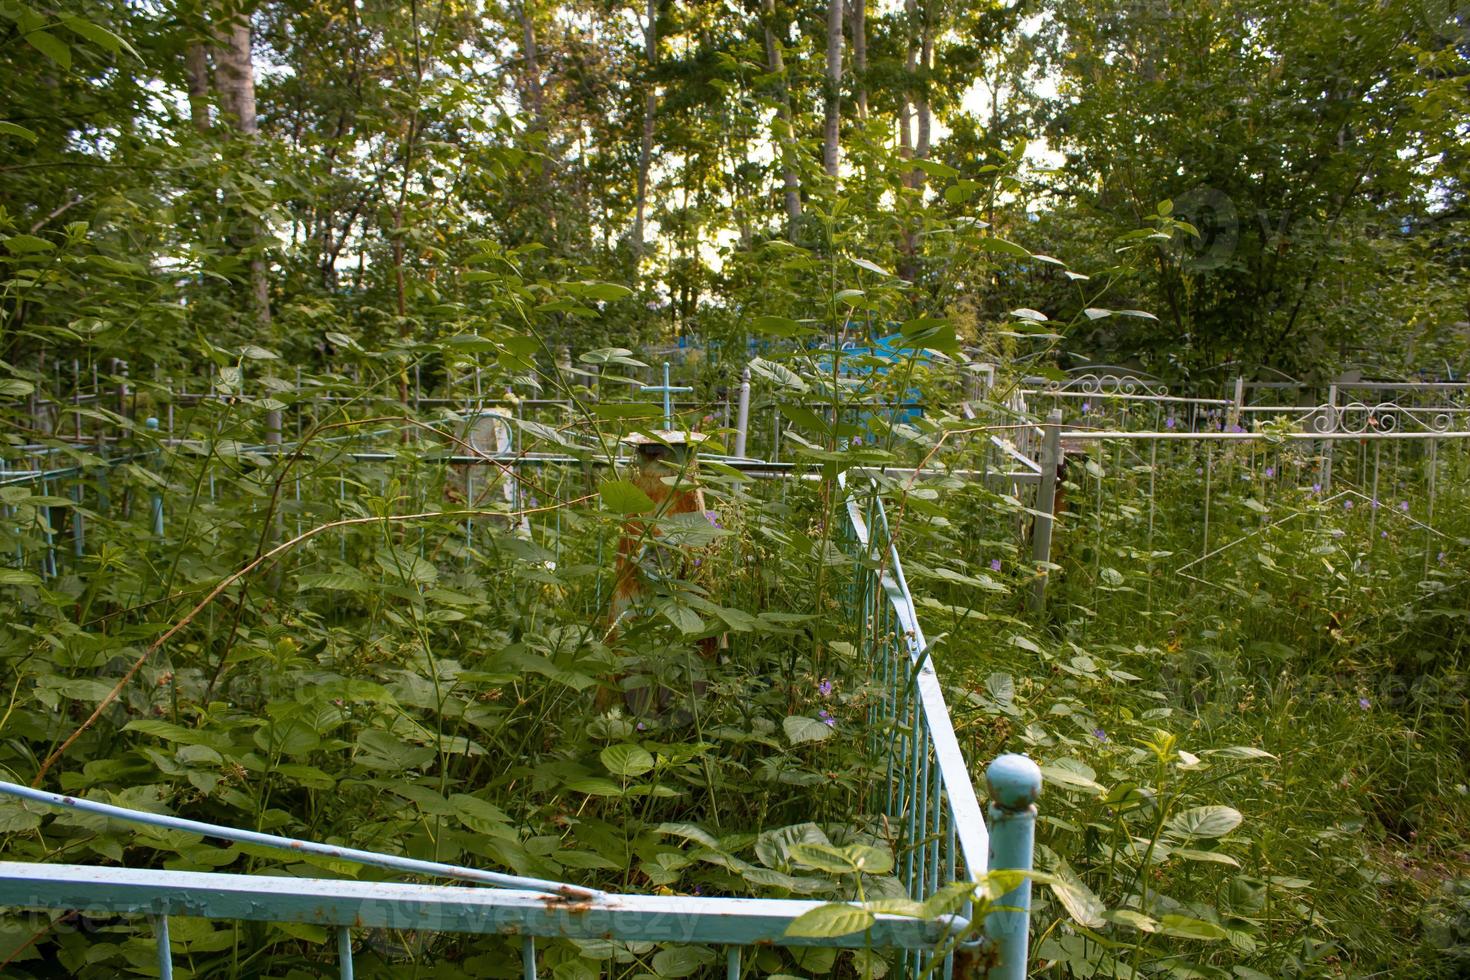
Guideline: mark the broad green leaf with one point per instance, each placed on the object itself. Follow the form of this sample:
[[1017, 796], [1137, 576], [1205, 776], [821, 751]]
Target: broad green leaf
[[800, 728], [934, 168], [98, 35], [1210, 857], [595, 786], [15, 576], [870, 266], [51, 46], [1239, 752], [690, 831], [25, 244], [686, 620], [15, 129], [961, 191], [1085, 908], [829, 921], [1205, 821], [1184, 927], [626, 760], [605, 291], [1069, 778], [844, 859], [339, 581], [622, 497], [1002, 247], [1131, 918], [682, 961], [779, 374]]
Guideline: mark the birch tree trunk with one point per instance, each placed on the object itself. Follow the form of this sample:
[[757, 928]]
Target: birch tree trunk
[[776, 65], [926, 65], [830, 148], [234, 78], [650, 107]]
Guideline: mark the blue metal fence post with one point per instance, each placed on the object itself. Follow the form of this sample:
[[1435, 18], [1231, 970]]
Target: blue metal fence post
[[1015, 784], [156, 497], [344, 951], [165, 952]]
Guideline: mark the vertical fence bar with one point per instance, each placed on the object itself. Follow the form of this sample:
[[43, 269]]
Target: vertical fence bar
[[1204, 548], [155, 498], [165, 954], [742, 414], [1015, 784], [78, 528], [344, 951], [1327, 444], [528, 958], [48, 533], [732, 963], [1046, 495]]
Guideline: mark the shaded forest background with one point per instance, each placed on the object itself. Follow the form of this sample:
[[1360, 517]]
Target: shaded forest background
[[1283, 186]]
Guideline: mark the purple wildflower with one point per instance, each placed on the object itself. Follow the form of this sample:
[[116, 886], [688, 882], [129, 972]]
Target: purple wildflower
[[995, 564], [1087, 406], [1099, 734], [1316, 488], [713, 517], [1364, 703], [1169, 422], [533, 501], [1383, 534], [1404, 506], [827, 718], [1347, 505], [857, 440], [1270, 472], [1375, 503], [1441, 557], [825, 688], [640, 726]]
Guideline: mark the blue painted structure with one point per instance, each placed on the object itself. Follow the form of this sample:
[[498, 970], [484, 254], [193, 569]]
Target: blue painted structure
[[928, 800]]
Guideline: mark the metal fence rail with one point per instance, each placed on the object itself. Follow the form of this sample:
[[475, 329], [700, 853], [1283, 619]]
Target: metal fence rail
[[927, 799], [929, 796]]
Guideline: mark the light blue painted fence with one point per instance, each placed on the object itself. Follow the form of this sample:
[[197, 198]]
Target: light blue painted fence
[[929, 805]]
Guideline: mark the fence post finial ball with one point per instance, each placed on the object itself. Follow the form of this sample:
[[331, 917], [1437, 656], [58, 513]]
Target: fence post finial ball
[[1014, 780]]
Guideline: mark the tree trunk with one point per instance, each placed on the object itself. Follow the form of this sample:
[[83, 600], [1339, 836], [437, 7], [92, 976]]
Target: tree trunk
[[926, 64], [533, 68], [830, 149], [776, 65], [911, 105], [859, 13], [196, 71], [234, 77], [650, 107]]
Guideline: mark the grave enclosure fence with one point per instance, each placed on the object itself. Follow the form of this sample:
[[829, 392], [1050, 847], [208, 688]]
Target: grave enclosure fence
[[56, 492]]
